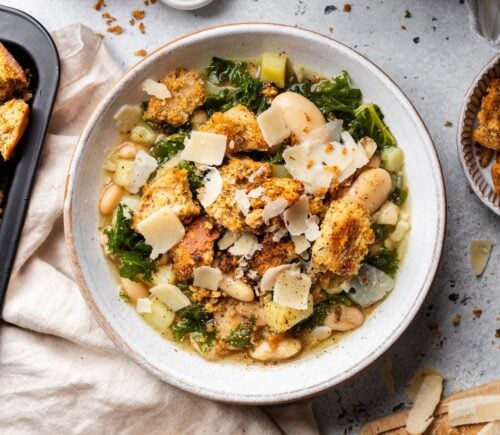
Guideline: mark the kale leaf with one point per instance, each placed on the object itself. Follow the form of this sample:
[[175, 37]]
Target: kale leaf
[[130, 248], [194, 321], [241, 88], [399, 195], [386, 260], [168, 147], [278, 159], [369, 121], [332, 96], [240, 336], [195, 180]]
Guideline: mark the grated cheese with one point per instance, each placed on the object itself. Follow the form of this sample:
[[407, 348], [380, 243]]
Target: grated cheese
[[212, 188], [242, 201], [227, 240], [153, 228], [273, 209], [207, 277], [270, 275], [296, 217], [246, 245], [205, 148], [156, 89], [256, 193], [144, 166]]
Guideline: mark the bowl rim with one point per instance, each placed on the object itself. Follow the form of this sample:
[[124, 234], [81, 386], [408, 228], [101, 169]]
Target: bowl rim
[[267, 398]]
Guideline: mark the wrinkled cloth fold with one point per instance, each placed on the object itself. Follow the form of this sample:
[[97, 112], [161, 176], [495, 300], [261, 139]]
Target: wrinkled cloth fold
[[59, 372]]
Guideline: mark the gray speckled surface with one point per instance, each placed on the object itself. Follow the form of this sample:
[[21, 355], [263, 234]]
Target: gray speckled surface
[[435, 74]]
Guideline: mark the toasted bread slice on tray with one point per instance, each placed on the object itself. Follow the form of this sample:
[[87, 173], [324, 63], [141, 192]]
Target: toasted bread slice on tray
[[13, 80], [13, 122]]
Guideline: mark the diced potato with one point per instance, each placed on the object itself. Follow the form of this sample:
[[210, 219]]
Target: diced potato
[[392, 159], [164, 275], [131, 203], [400, 231], [272, 68], [143, 134], [388, 214], [123, 172], [279, 171], [127, 117], [283, 318], [160, 317]]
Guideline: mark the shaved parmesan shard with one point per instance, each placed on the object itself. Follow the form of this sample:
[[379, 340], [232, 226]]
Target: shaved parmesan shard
[[312, 231], [291, 289], [479, 254], [227, 240], [162, 230], [256, 193], [205, 148], [328, 132], [428, 397], [472, 410], [171, 296], [418, 378], [242, 201], [143, 305], [127, 117], [301, 244], [270, 275], [369, 146], [245, 246], [273, 126], [256, 174], [273, 209], [357, 154], [492, 428], [212, 188], [207, 277], [296, 217], [144, 166], [156, 89]]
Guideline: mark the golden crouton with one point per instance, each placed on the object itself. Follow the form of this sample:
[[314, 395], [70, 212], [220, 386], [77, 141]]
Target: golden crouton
[[272, 254], [188, 93], [274, 188], [12, 77], [487, 132], [169, 187], [195, 249], [240, 126], [13, 122], [344, 239], [235, 174], [495, 176]]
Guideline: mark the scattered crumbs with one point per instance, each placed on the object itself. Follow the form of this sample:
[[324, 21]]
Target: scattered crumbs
[[448, 124], [461, 2], [453, 297], [347, 7], [416, 40], [117, 30], [456, 320], [465, 299], [477, 312], [329, 9], [435, 330], [141, 53], [447, 38], [403, 27], [132, 22], [99, 4], [123, 295], [434, 19], [398, 407], [497, 333], [108, 18], [138, 14], [330, 29], [407, 14], [142, 28], [434, 28], [101, 35]]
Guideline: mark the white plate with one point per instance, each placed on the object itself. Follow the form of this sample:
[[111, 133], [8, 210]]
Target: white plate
[[227, 381]]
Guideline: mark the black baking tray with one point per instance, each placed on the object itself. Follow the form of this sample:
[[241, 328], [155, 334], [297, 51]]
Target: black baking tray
[[34, 49]]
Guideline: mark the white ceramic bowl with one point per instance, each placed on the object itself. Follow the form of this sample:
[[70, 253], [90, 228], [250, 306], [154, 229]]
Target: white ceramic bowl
[[187, 5], [257, 384]]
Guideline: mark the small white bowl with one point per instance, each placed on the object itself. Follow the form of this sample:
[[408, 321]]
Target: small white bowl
[[186, 5], [315, 372]]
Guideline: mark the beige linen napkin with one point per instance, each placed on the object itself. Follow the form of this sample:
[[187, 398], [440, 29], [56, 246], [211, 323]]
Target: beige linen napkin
[[59, 372]]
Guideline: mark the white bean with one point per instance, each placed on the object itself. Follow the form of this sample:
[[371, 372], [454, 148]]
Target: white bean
[[110, 199], [318, 334], [372, 188], [237, 289], [285, 349], [199, 117], [344, 318], [127, 151], [301, 115], [135, 290]]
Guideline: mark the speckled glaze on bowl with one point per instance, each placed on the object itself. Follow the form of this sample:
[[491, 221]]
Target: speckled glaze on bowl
[[225, 380], [479, 178]]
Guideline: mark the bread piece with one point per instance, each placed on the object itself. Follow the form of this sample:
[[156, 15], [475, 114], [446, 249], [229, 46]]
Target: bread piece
[[487, 132], [495, 176], [12, 77], [13, 122]]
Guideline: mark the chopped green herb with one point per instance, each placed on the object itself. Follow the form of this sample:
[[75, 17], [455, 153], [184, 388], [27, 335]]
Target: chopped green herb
[[241, 88], [386, 260], [144, 105], [407, 14], [448, 124], [369, 121], [130, 248], [123, 295], [332, 96], [399, 195], [278, 159], [382, 232], [168, 147], [240, 336], [195, 181], [194, 321]]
